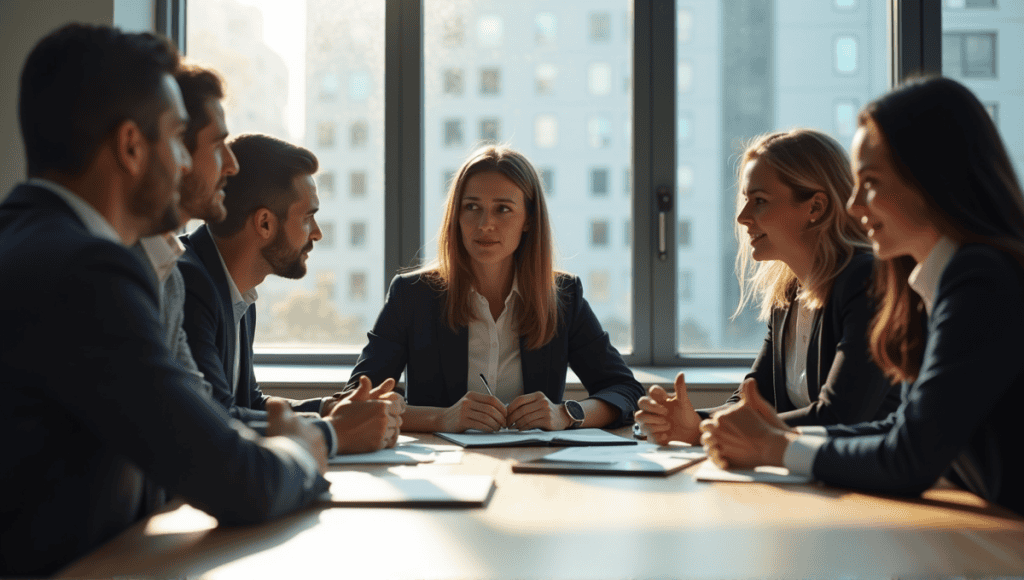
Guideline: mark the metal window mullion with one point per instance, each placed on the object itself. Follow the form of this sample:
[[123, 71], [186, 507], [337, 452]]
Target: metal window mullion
[[403, 134], [915, 38]]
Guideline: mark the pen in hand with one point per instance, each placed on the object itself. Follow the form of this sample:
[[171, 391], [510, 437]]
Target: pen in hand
[[487, 386]]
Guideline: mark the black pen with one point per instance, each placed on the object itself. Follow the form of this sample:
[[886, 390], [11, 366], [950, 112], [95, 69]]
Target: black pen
[[486, 386]]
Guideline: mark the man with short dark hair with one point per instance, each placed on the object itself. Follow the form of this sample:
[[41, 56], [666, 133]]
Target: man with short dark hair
[[270, 228], [94, 405]]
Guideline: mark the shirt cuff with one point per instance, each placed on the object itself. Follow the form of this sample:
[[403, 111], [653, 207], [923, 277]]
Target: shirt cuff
[[813, 430], [290, 451], [332, 445], [800, 454]]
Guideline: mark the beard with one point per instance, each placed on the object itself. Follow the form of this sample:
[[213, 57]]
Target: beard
[[284, 261], [155, 201], [209, 208]]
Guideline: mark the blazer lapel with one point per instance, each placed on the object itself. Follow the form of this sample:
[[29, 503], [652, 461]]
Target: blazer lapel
[[814, 378], [780, 317]]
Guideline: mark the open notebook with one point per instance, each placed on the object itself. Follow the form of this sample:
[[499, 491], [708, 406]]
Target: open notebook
[[536, 438], [357, 489]]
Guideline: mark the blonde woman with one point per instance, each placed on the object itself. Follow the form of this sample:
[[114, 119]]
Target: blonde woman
[[485, 333], [811, 275]]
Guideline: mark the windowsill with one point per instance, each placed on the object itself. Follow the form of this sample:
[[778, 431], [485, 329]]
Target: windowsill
[[707, 386]]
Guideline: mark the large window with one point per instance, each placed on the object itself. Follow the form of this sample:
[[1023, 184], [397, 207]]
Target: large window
[[557, 81]]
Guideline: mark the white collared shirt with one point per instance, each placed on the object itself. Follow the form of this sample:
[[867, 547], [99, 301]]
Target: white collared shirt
[[797, 340], [94, 222], [924, 279], [163, 251], [494, 347]]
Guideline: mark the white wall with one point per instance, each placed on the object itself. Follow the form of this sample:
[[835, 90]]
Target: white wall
[[22, 24]]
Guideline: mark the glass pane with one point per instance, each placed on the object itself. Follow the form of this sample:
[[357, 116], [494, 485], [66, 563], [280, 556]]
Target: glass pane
[[991, 63], [312, 73], [550, 79], [749, 67]]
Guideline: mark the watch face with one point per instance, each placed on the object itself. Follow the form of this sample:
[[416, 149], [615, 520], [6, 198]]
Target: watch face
[[575, 410]]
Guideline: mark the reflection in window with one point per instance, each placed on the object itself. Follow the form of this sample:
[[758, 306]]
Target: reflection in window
[[490, 129], [599, 182], [684, 179], [357, 234], [600, 27], [684, 76], [599, 129], [325, 135], [452, 133], [683, 233], [546, 75], [546, 29], [357, 183], [599, 286], [969, 54], [846, 118], [490, 31], [684, 25], [599, 233], [545, 130], [357, 286], [329, 86], [846, 55], [453, 32], [359, 86], [453, 81], [327, 231], [547, 179], [447, 178], [359, 134], [325, 184], [599, 78], [490, 81], [685, 286]]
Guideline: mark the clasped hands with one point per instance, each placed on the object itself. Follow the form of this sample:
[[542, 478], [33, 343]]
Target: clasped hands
[[744, 435], [487, 413]]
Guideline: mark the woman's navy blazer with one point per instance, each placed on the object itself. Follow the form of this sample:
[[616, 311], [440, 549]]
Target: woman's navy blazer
[[412, 334]]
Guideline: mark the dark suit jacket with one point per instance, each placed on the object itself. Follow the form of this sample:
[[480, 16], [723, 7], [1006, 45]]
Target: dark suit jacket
[[843, 383], [412, 333], [94, 403], [964, 409], [210, 326]]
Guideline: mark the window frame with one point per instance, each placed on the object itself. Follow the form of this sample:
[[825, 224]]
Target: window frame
[[914, 41]]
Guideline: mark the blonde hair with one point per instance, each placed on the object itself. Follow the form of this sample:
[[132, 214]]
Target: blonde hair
[[532, 260], [806, 161]]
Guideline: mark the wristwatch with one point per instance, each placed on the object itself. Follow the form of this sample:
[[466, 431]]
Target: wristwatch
[[575, 412]]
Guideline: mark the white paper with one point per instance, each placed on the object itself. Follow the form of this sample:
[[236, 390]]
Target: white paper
[[708, 471]]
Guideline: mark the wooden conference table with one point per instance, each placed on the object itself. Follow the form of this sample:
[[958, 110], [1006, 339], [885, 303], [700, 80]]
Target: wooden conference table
[[557, 526]]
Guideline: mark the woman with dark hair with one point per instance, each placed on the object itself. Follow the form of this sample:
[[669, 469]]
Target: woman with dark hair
[[937, 195], [486, 331], [811, 278]]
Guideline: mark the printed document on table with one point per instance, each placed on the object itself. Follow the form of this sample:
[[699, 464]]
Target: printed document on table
[[354, 488], [536, 437], [708, 471]]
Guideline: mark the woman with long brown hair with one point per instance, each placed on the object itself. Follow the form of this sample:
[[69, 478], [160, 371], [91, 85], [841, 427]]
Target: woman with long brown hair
[[807, 262], [937, 195], [485, 333]]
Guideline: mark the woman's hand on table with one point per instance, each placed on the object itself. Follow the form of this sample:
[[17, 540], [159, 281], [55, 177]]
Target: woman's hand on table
[[746, 434], [474, 411], [536, 411]]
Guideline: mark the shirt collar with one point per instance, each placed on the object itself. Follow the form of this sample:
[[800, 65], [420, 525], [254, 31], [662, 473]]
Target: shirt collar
[[926, 275], [514, 291], [93, 220], [240, 302], [163, 251]]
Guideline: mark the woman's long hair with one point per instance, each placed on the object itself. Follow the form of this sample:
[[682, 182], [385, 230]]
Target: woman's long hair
[[806, 162], [944, 145], [532, 260]]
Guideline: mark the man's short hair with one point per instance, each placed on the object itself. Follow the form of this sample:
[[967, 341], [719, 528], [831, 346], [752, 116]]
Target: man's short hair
[[268, 167], [80, 83], [198, 85]]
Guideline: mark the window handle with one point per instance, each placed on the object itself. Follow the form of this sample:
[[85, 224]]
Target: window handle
[[664, 196]]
